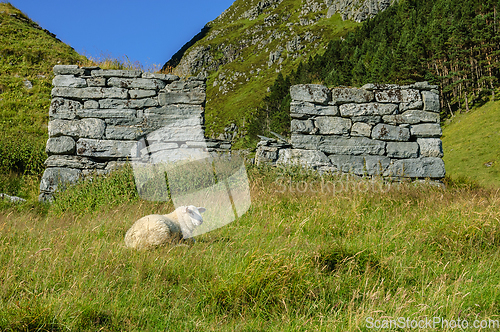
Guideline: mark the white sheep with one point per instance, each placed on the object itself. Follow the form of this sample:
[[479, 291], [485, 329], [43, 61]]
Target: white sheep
[[159, 229]]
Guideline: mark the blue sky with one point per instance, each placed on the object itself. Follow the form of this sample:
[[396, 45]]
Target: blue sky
[[148, 31]]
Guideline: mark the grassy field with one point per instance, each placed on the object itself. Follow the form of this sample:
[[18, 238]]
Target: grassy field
[[303, 258]]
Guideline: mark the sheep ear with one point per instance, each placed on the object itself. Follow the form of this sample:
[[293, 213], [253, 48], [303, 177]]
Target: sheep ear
[[201, 209], [187, 210]]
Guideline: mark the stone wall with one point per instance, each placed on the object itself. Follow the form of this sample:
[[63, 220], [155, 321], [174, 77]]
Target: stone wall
[[96, 118], [384, 130]]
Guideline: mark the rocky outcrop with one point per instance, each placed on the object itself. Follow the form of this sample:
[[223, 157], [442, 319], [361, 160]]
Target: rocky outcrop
[[357, 10], [384, 130]]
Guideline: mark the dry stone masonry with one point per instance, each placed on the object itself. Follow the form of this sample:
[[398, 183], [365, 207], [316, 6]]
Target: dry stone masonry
[[383, 130], [97, 116]]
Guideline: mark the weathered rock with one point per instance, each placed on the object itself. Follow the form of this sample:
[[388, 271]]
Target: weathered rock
[[370, 119], [123, 133], [303, 109], [137, 94], [69, 81], [73, 162], [134, 103], [169, 78], [137, 83], [412, 117], [387, 132], [266, 155], [426, 130], [58, 178], [413, 105], [88, 128], [180, 97], [60, 145], [430, 147], [68, 70], [117, 73], [424, 86], [360, 165], [417, 168], [431, 101], [351, 95], [176, 133], [105, 148], [338, 145], [63, 109], [402, 150], [308, 158], [313, 93], [96, 81], [128, 114], [174, 115], [397, 96], [302, 126], [367, 109], [89, 104], [89, 93], [361, 129], [328, 125]]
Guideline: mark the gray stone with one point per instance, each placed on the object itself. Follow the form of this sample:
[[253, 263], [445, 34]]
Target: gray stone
[[412, 117], [313, 93], [302, 109], [165, 77], [105, 148], [397, 96], [60, 145], [415, 105], [376, 165], [371, 86], [115, 165], [63, 109], [175, 133], [88, 128], [351, 95], [106, 114], [387, 132], [361, 129], [90, 93], [175, 111], [96, 81], [136, 83], [123, 133], [338, 145], [89, 104], [430, 147], [58, 178], [68, 70], [370, 119], [69, 81], [417, 168], [328, 125], [117, 73], [134, 103], [431, 101], [266, 154], [302, 126], [180, 97], [424, 86], [12, 199], [73, 162], [360, 165], [137, 94], [187, 86], [307, 158], [426, 130], [402, 150], [367, 109]]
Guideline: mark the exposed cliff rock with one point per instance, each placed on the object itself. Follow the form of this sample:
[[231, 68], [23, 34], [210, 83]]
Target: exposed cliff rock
[[357, 10]]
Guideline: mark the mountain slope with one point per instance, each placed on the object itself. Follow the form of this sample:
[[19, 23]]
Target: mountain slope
[[242, 50]]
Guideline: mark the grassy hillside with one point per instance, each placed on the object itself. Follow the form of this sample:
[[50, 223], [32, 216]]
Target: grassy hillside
[[298, 260], [471, 143]]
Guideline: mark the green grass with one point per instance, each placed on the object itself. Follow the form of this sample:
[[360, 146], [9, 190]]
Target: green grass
[[296, 261], [471, 143]]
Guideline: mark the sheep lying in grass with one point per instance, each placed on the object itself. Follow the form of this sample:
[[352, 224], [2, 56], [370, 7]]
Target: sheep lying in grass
[[157, 229]]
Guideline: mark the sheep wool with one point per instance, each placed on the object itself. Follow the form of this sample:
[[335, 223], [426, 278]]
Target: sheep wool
[[157, 229]]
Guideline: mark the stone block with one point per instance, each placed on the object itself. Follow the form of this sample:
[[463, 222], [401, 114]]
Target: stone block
[[175, 133], [397, 96], [89, 93], [138, 94], [387, 132], [69, 81], [180, 97], [367, 109], [426, 130], [427, 167], [307, 158], [302, 126], [338, 145], [370, 119], [411, 117], [105, 148], [431, 101], [88, 128], [108, 113], [351, 95], [136, 83], [313, 93], [361, 129], [68, 70], [402, 150], [192, 85], [376, 86], [117, 73], [60, 145], [330, 125], [424, 86], [165, 77], [91, 104], [96, 81], [77, 162], [360, 165], [63, 109], [303, 109], [430, 147], [266, 154], [123, 133], [416, 105], [58, 178]]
